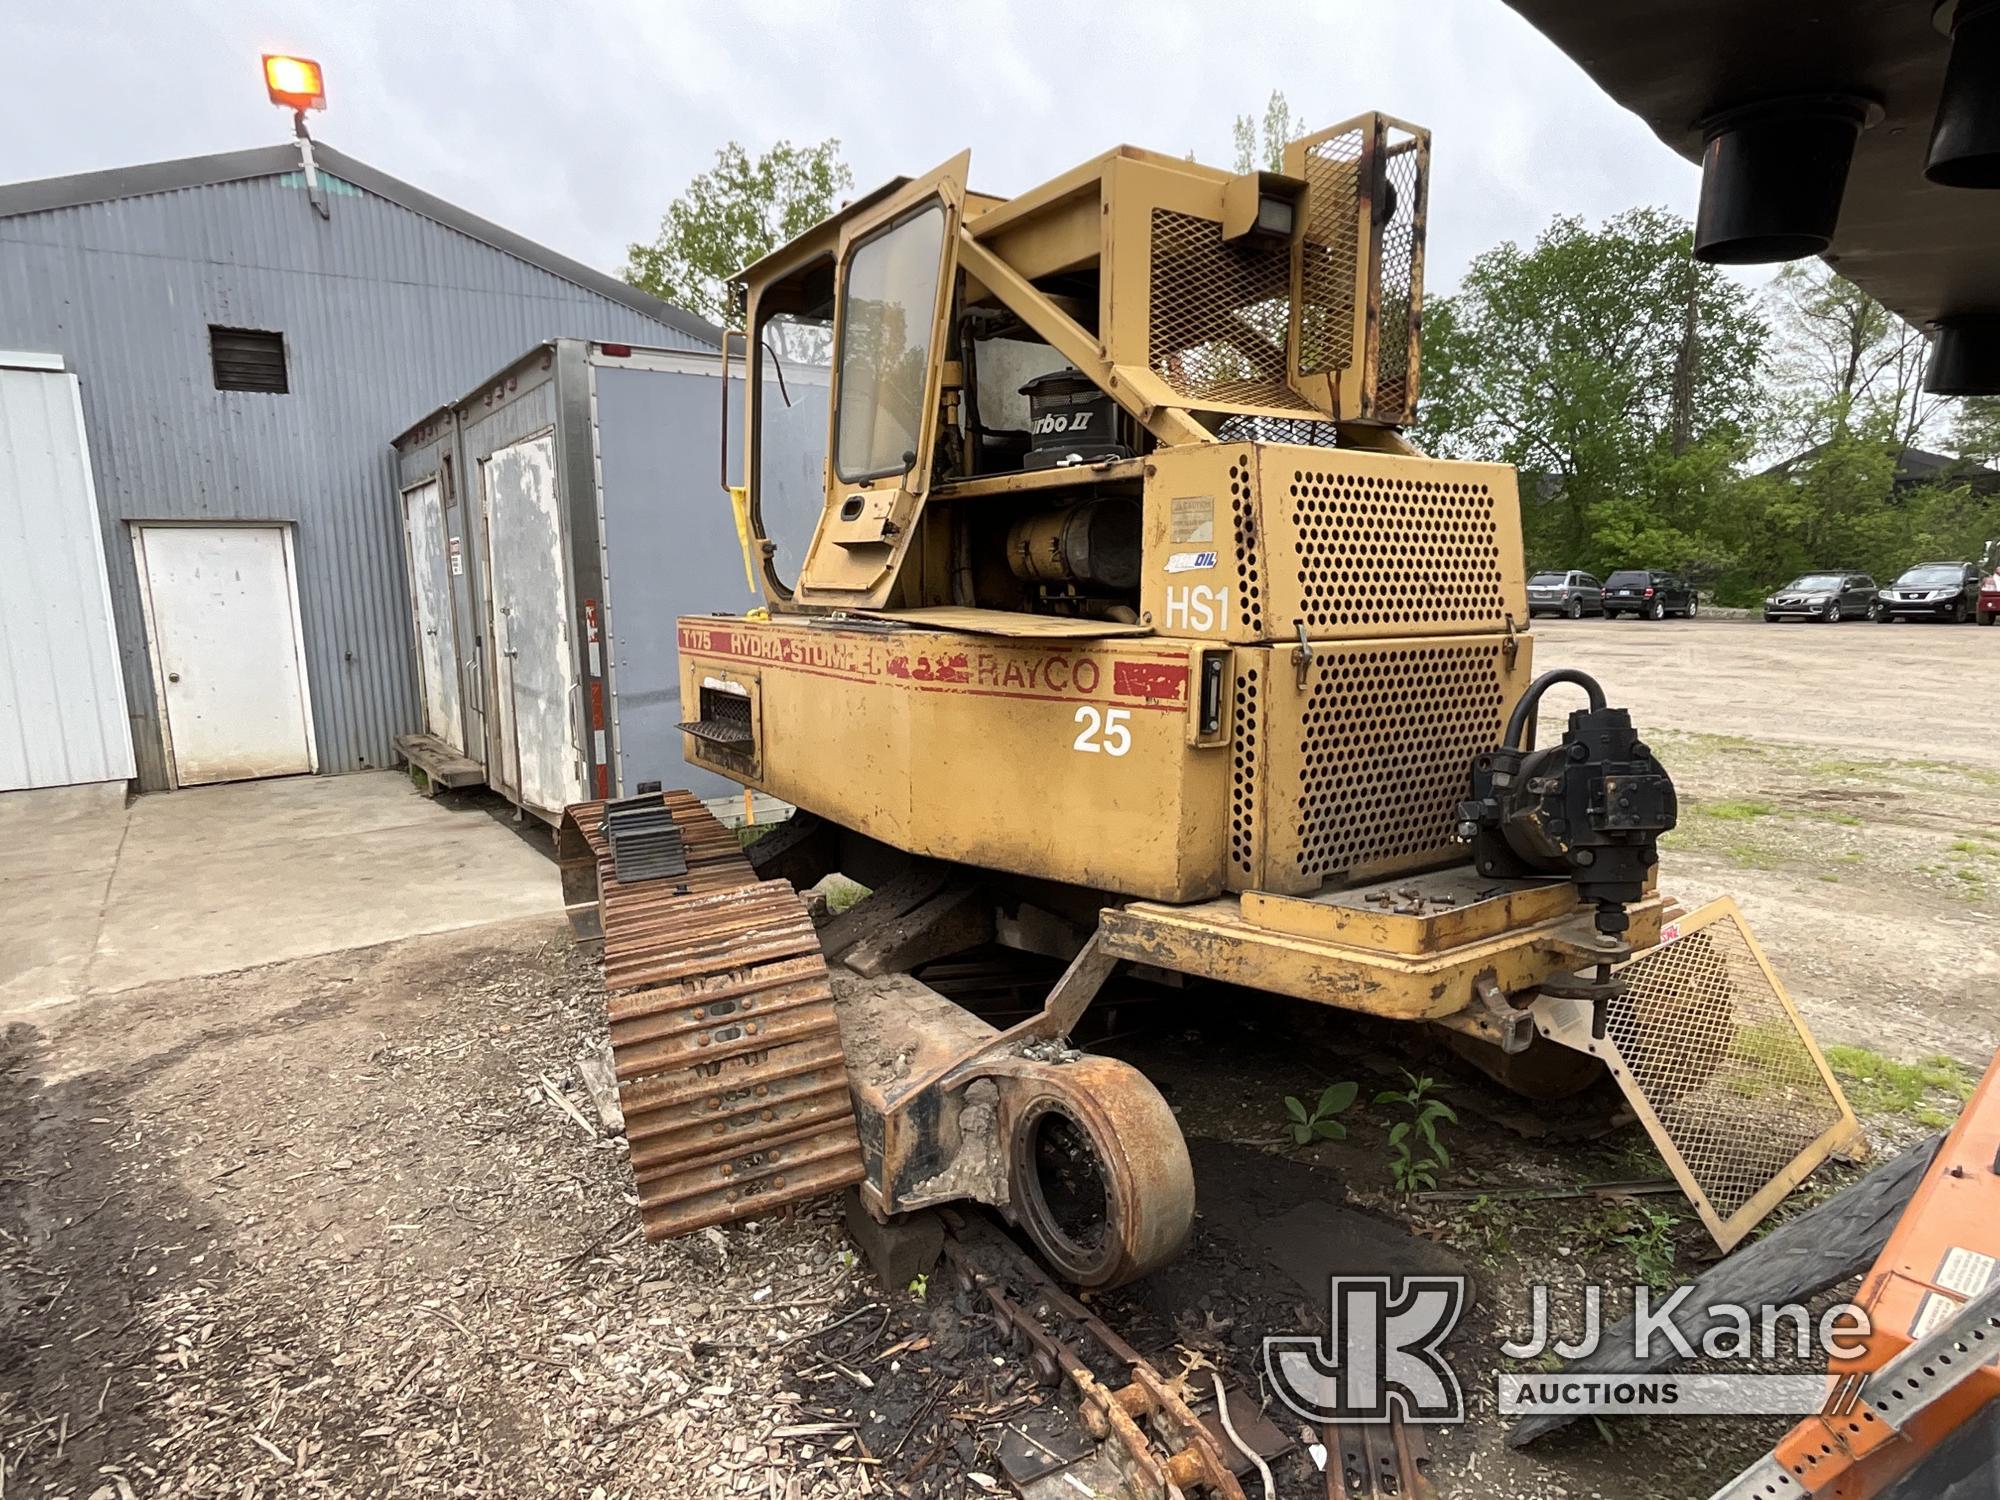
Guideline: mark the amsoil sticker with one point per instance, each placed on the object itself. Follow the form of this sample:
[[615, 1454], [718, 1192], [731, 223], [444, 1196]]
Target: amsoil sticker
[[1192, 519], [1190, 562]]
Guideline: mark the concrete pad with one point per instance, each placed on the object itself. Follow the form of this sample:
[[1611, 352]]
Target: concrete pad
[[244, 814], [256, 904], [98, 898], [51, 830], [48, 929]]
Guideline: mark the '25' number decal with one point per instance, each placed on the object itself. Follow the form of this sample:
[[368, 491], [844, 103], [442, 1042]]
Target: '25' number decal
[[1107, 732]]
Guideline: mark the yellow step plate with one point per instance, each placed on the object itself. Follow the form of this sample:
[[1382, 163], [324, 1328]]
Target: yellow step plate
[[1415, 914]]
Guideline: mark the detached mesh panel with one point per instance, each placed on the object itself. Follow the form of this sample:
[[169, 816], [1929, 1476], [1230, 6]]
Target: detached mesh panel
[[1333, 224], [1219, 313], [1375, 551], [1713, 1049], [1388, 747]]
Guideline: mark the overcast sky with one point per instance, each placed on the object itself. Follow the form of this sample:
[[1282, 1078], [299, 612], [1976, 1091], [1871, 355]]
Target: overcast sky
[[576, 123]]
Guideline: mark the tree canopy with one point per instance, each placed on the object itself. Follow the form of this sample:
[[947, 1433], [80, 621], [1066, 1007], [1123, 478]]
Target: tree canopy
[[1661, 417], [742, 208]]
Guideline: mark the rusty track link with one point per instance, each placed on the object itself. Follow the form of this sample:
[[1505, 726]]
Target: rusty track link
[[723, 1035]]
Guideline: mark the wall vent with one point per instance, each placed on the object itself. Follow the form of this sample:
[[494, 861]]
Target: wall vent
[[248, 359]]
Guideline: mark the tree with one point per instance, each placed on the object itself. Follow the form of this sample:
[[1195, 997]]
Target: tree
[[1975, 434], [739, 210], [1619, 376], [1841, 362], [1267, 151]]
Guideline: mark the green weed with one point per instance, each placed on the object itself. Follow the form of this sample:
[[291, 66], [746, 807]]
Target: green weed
[[1319, 1123], [1415, 1169], [1878, 1085]]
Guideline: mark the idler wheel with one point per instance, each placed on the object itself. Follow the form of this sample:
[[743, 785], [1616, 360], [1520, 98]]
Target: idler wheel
[[1098, 1171]]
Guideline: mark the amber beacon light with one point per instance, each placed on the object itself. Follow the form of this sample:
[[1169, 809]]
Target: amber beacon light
[[294, 82]]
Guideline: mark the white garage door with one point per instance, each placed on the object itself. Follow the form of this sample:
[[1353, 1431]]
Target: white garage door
[[62, 693], [222, 620]]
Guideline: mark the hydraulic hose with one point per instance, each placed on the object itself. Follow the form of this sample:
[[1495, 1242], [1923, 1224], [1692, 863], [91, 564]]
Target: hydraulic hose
[[1524, 711]]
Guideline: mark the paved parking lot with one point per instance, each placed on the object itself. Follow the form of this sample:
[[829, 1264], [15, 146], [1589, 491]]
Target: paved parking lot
[[1911, 690]]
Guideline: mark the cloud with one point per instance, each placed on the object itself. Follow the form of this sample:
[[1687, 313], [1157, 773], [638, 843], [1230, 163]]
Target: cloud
[[575, 124]]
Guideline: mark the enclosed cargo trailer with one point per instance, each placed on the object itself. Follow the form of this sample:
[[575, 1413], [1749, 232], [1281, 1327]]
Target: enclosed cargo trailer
[[556, 521]]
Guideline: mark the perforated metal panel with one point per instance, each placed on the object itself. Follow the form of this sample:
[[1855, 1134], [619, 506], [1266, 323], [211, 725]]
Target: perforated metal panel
[[1245, 838], [1717, 1051], [1218, 314], [1249, 563], [1359, 769], [1366, 547], [1329, 269]]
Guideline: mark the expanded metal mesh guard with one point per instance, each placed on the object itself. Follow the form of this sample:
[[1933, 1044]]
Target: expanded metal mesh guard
[[1396, 344], [1328, 279], [1301, 432], [1389, 736], [1375, 551], [1717, 1053], [1218, 314]]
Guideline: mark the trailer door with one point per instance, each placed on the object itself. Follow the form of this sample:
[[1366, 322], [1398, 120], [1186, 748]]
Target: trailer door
[[430, 610], [540, 764]]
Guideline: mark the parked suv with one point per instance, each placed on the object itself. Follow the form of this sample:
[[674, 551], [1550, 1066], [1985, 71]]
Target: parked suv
[[1573, 594], [1933, 591], [1647, 594], [1830, 597]]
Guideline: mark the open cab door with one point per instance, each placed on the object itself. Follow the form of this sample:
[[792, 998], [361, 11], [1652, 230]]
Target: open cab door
[[896, 273]]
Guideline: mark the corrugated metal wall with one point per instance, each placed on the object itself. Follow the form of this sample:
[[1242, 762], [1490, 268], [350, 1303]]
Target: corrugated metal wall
[[62, 712], [382, 310]]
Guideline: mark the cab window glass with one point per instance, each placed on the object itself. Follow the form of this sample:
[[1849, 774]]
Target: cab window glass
[[793, 357], [885, 338]]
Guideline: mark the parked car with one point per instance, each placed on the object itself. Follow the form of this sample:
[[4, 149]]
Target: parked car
[[1573, 594], [1648, 594], [1989, 584], [1829, 597], [1933, 591]]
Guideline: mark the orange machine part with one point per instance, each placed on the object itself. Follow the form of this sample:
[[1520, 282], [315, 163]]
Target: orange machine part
[[1941, 1254]]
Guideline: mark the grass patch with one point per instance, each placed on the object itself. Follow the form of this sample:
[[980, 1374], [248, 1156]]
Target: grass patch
[[1974, 848], [1733, 810], [1921, 1091], [1751, 857]]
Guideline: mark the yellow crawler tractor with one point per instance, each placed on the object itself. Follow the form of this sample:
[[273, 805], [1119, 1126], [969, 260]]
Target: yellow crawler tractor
[[1133, 631]]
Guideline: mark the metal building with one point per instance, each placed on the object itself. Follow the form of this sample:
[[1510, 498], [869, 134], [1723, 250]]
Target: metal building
[[245, 349]]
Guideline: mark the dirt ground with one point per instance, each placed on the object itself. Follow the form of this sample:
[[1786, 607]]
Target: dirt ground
[[328, 1227]]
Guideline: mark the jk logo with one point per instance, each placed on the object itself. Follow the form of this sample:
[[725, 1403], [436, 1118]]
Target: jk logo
[[1380, 1357]]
